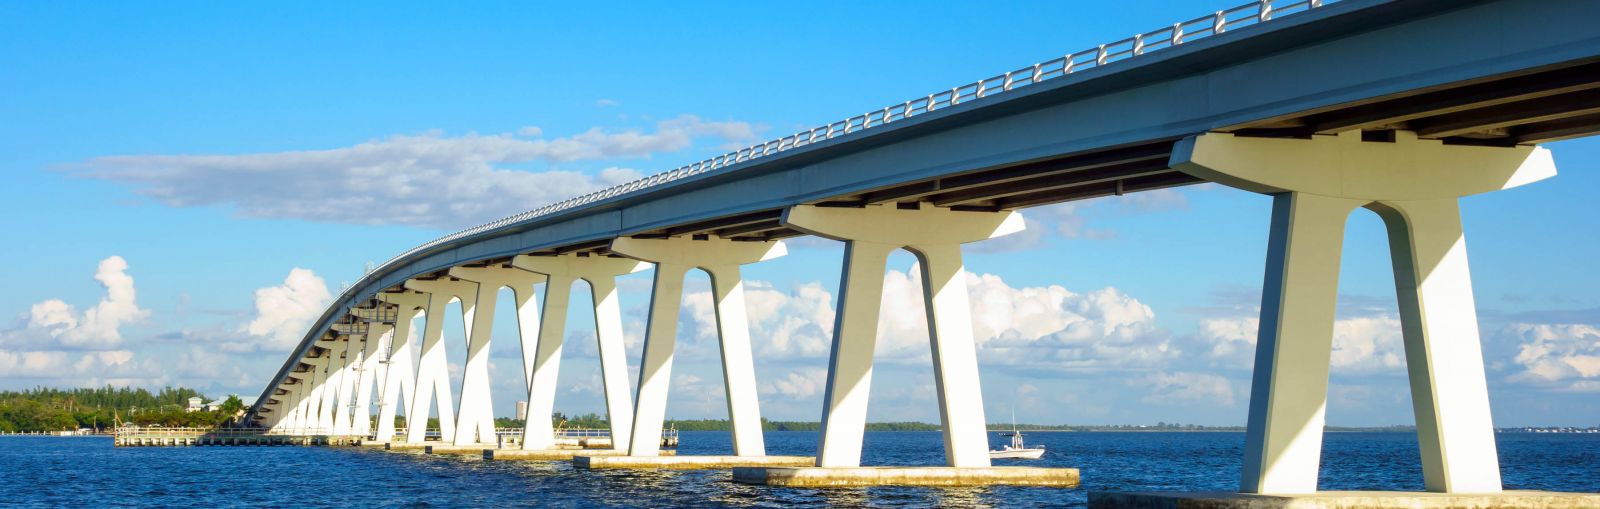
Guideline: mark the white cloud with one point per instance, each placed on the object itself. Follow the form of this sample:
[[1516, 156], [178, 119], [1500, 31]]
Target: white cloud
[[1043, 327], [1368, 343], [798, 324], [284, 312], [78, 369], [1361, 344], [56, 324], [427, 180], [1562, 356], [801, 384], [1232, 339], [55, 344], [1184, 388]]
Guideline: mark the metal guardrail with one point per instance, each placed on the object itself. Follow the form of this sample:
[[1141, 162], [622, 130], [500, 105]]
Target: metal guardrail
[[1253, 13], [161, 431]]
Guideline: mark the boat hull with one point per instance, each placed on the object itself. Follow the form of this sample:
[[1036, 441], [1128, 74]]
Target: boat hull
[[1029, 454]]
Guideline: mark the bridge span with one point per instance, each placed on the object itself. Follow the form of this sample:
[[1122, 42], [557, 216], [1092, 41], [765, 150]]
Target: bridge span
[[1401, 107]]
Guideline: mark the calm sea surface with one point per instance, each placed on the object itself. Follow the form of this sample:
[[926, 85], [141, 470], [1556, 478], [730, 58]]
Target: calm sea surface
[[76, 472]]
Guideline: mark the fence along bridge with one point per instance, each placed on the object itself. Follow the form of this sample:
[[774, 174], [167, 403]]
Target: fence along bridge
[[1401, 107]]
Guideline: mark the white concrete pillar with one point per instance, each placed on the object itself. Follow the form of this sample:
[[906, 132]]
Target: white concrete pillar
[[1414, 185], [293, 405], [1449, 392], [400, 377], [475, 386], [330, 392], [297, 423], [378, 334], [310, 408], [1290, 383], [433, 369], [720, 258], [934, 235], [349, 376], [601, 273]]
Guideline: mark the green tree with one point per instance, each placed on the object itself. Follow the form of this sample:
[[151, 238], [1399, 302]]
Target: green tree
[[232, 405]]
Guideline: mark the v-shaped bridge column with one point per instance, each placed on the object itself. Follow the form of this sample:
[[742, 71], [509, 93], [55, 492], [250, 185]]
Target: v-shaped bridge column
[[316, 379], [601, 273], [330, 390], [477, 405], [302, 390], [721, 259], [433, 368], [349, 377], [1414, 185], [291, 403], [377, 331], [400, 377], [935, 235], [296, 421]]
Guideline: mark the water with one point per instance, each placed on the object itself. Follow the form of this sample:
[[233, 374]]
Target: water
[[73, 472]]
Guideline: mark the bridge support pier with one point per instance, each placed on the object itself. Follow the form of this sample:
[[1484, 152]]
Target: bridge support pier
[[600, 273], [377, 331], [348, 379], [310, 405], [400, 377], [330, 390], [477, 405], [720, 258], [1414, 186], [433, 372], [935, 236]]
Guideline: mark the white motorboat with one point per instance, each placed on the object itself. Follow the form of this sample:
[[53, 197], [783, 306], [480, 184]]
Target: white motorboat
[[1017, 450]]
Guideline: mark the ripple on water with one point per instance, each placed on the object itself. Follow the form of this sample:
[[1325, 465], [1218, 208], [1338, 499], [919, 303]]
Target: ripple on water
[[56, 472]]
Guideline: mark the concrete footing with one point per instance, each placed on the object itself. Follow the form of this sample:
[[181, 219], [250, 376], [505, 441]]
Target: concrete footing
[[404, 446], [689, 462], [906, 476], [553, 454], [463, 450], [1509, 499]]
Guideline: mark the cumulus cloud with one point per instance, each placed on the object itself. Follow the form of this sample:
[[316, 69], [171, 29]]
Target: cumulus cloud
[[428, 180], [1559, 356], [1184, 388], [802, 384], [1361, 344], [1044, 327], [782, 324], [284, 312], [56, 324], [56, 344]]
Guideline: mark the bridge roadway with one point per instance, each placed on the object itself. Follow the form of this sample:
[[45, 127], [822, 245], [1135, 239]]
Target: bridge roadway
[[1397, 106]]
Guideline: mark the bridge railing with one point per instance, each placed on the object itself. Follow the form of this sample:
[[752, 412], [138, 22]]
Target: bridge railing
[[162, 431]]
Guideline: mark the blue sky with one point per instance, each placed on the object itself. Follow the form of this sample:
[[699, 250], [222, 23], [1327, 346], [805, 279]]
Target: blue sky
[[216, 147]]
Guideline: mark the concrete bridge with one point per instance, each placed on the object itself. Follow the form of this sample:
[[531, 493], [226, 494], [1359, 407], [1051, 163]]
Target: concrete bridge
[[1401, 107]]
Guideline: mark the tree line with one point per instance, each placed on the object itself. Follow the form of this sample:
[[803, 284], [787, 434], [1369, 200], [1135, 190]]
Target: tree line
[[46, 409]]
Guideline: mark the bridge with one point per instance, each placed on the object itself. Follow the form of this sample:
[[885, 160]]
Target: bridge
[[1401, 107]]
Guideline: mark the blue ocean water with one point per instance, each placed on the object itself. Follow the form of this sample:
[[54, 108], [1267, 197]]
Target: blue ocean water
[[76, 472]]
